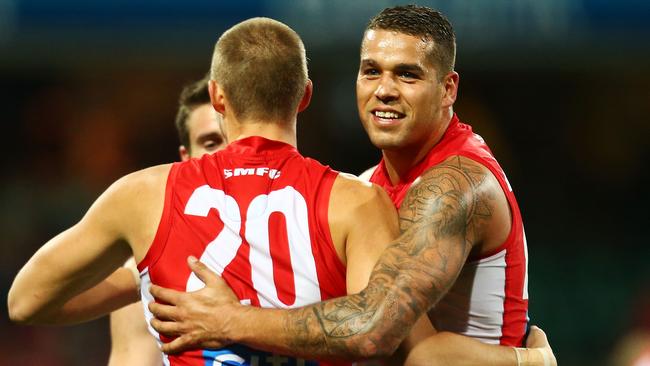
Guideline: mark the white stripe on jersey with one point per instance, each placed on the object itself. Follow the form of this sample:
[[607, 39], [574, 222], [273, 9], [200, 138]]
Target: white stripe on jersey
[[474, 305], [145, 295], [525, 293]]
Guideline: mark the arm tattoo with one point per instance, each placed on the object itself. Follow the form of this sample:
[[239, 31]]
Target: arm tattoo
[[440, 220]]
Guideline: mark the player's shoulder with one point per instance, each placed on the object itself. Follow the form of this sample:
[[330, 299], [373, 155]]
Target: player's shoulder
[[457, 173], [358, 205], [459, 162], [128, 203], [144, 178], [140, 184], [353, 185], [150, 174], [457, 166], [351, 191]]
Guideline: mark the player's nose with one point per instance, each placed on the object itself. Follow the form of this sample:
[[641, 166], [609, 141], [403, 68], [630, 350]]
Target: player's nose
[[386, 90]]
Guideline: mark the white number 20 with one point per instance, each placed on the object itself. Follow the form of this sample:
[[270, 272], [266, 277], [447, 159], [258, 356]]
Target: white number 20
[[222, 250]]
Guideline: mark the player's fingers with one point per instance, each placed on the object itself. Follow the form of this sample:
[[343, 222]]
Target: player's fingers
[[163, 312], [539, 351], [202, 271], [166, 328], [165, 295], [179, 344], [536, 338], [538, 330]]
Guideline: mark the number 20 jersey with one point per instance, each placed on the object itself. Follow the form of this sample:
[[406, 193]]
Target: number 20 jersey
[[255, 213]]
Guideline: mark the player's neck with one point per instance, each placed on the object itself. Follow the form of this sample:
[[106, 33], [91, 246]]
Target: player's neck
[[285, 132], [399, 162]]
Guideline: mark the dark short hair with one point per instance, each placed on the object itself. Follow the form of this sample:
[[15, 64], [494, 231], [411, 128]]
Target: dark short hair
[[261, 66], [192, 96], [423, 22]]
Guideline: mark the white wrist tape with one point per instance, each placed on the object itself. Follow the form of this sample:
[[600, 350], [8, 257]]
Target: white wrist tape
[[545, 356], [517, 350], [526, 358]]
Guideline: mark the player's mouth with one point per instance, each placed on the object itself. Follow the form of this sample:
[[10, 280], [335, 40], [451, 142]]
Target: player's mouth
[[387, 117]]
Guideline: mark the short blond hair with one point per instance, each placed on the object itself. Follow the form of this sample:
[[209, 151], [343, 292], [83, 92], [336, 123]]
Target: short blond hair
[[261, 66]]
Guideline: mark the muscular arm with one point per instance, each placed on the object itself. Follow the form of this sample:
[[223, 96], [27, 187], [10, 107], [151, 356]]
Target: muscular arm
[[119, 289], [452, 349], [447, 348], [77, 259], [116, 291]]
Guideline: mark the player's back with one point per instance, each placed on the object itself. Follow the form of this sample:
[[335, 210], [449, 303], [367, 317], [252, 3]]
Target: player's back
[[257, 214]]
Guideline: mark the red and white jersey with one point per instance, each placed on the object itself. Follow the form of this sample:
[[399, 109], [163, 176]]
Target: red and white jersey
[[489, 300], [255, 213]]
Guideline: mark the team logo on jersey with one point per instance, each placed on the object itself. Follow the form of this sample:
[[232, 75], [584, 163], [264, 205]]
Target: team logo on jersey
[[223, 357], [238, 355], [262, 171]]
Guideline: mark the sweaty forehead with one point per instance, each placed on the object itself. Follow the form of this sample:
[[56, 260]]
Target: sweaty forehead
[[393, 46]]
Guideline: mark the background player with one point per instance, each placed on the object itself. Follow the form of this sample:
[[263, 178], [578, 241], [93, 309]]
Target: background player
[[456, 209]]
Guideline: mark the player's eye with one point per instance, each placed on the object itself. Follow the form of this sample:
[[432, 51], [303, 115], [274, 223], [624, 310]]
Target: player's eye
[[210, 145], [371, 71], [408, 75]]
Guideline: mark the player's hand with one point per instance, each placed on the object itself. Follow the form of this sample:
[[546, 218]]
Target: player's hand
[[198, 319], [540, 352]]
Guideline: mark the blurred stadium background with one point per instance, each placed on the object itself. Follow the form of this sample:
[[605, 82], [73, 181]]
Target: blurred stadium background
[[560, 89]]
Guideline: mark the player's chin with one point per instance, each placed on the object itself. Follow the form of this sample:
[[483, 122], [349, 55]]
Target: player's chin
[[386, 140]]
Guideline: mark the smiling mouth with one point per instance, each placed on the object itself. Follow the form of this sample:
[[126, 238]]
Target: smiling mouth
[[387, 118], [387, 114]]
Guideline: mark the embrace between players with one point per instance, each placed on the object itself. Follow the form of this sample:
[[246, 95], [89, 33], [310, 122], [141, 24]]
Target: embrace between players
[[443, 281]]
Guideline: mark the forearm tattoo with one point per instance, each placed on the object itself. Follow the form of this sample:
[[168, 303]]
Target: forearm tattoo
[[440, 219]]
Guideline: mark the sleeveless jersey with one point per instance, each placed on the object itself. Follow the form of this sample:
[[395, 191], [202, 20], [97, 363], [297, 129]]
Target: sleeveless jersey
[[255, 213], [489, 300]]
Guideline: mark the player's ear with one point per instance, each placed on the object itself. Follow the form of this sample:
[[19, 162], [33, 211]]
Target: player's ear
[[216, 97], [184, 153], [450, 85], [306, 98]]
